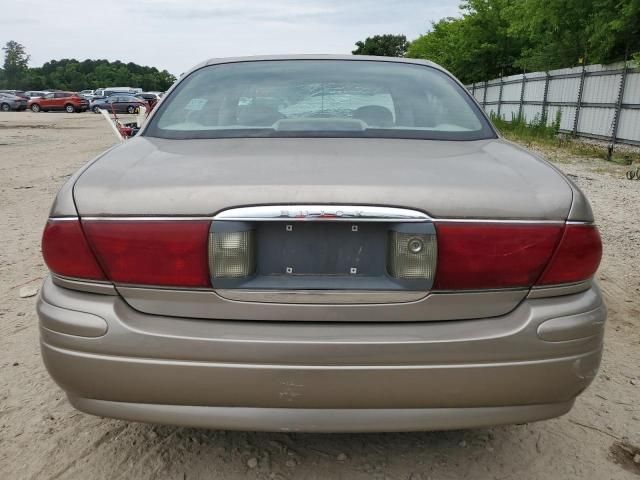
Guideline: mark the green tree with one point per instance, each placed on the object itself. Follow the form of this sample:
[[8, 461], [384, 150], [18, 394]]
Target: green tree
[[443, 44], [615, 30], [502, 37], [556, 32], [383, 46], [564, 33], [478, 45], [16, 64], [70, 74]]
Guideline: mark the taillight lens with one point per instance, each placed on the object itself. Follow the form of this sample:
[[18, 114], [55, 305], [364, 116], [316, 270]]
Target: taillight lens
[[232, 254], [66, 252], [152, 252], [577, 257], [412, 256], [481, 256]]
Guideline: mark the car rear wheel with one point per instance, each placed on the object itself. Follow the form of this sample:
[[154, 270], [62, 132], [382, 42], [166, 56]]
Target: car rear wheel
[[131, 109], [96, 110], [35, 108], [5, 107], [69, 108]]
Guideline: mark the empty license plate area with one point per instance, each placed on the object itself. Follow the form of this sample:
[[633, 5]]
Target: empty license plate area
[[321, 249]]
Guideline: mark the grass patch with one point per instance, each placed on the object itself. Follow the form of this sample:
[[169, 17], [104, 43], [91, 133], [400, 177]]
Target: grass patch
[[541, 133]]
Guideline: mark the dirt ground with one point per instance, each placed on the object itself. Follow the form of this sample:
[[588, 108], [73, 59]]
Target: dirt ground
[[42, 437]]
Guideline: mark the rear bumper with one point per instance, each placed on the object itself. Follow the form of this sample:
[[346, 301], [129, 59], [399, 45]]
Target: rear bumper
[[321, 420], [115, 361]]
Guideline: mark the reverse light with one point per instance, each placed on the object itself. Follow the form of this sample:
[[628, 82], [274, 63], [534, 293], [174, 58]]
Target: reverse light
[[232, 254], [412, 256]]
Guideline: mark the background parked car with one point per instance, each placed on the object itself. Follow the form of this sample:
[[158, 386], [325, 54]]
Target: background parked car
[[17, 93], [35, 93], [88, 94], [106, 92], [119, 104], [151, 98], [68, 101], [10, 102]]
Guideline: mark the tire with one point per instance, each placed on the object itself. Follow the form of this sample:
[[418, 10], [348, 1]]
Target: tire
[[35, 108], [131, 109], [96, 109], [69, 108], [5, 107]]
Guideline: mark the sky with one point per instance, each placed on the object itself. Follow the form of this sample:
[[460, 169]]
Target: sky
[[176, 35]]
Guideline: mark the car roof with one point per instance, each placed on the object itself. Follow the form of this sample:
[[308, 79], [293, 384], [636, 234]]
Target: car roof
[[355, 58]]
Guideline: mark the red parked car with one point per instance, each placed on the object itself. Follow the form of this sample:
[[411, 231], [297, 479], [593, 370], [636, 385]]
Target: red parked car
[[68, 101]]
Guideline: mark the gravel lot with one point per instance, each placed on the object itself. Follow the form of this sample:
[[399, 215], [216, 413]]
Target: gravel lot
[[42, 437]]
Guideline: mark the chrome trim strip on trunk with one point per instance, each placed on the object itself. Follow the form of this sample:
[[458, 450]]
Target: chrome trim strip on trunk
[[143, 218], [501, 221], [420, 217], [323, 213], [62, 219]]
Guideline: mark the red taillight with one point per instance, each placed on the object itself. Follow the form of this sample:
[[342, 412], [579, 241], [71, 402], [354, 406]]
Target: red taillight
[[66, 252], [577, 257], [152, 252], [480, 256]]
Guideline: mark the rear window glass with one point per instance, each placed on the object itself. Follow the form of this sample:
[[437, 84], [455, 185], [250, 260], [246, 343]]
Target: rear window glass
[[333, 98]]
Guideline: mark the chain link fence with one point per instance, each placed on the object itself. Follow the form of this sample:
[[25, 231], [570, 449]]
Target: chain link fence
[[593, 101]]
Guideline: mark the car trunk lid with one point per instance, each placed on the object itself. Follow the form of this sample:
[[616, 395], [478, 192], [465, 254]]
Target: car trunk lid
[[476, 179]]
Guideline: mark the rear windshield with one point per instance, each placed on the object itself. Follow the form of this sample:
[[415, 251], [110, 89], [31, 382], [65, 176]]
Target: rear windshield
[[319, 98]]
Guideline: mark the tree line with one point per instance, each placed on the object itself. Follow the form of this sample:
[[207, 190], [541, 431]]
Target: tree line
[[75, 75], [493, 38]]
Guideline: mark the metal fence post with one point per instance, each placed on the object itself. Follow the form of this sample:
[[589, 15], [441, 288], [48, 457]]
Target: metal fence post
[[545, 103], [522, 88], [473, 90], [484, 96], [500, 98], [616, 116], [579, 102]]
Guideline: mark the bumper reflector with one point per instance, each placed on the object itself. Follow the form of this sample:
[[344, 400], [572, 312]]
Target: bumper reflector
[[232, 254], [412, 256]]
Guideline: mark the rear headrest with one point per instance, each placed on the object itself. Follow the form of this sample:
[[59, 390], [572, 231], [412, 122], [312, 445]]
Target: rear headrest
[[259, 115], [374, 115]]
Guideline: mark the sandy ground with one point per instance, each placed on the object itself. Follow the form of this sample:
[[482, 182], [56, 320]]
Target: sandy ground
[[42, 437]]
